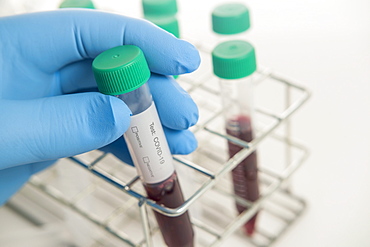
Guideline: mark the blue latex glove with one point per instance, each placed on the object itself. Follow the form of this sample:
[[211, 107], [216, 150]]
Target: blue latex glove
[[46, 57]]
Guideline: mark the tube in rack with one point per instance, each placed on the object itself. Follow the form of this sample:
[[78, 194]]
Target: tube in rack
[[88, 4], [122, 71], [230, 21], [234, 63]]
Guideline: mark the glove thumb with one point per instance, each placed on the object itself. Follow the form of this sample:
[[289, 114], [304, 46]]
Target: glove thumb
[[56, 127]]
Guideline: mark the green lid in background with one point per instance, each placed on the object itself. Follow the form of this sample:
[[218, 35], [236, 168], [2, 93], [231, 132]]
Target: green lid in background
[[120, 70], [77, 4], [168, 23], [159, 7], [233, 59], [230, 18]]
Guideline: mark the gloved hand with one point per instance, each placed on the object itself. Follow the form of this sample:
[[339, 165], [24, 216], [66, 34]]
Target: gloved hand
[[45, 58]]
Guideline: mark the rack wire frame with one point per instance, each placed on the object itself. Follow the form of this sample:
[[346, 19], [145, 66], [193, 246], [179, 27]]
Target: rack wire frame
[[213, 179]]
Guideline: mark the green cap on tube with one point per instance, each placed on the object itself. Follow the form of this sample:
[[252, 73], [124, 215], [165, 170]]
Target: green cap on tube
[[120, 70], [88, 4], [230, 18], [233, 59], [159, 7], [168, 23]]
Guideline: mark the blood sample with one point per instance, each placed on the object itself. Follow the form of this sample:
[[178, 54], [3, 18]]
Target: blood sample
[[234, 63], [175, 230], [122, 71], [244, 176]]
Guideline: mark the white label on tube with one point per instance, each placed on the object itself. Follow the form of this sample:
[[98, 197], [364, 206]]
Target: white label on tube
[[148, 146]]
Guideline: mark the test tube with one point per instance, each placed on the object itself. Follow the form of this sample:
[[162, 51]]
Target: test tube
[[88, 4], [230, 21], [162, 13], [123, 71], [234, 63], [159, 7], [168, 23]]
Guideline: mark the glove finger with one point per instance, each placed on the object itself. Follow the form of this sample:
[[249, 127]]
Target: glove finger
[[77, 77], [74, 35], [40, 166], [119, 149], [55, 127], [11, 180], [179, 141], [176, 108]]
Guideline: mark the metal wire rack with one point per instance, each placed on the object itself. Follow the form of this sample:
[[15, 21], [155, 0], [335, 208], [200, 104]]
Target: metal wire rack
[[100, 178]]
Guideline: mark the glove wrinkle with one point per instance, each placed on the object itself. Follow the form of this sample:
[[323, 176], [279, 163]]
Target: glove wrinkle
[[80, 47]]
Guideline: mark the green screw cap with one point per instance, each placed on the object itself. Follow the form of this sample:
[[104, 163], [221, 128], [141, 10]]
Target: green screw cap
[[120, 70], [168, 23], [77, 4], [159, 7], [233, 59], [230, 18]]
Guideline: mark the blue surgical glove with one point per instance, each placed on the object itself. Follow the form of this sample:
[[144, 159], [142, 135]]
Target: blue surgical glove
[[45, 59]]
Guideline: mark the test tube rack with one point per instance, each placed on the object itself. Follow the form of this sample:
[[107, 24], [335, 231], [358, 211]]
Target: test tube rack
[[100, 178]]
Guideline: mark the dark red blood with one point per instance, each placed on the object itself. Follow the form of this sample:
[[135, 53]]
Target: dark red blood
[[176, 231], [245, 175]]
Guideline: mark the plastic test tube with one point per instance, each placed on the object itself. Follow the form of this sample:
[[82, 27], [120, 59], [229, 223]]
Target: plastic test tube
[[88, 4], [168, 23], [230, 21], [122, 71], [159, 7], [234, 63], [162, 13]]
